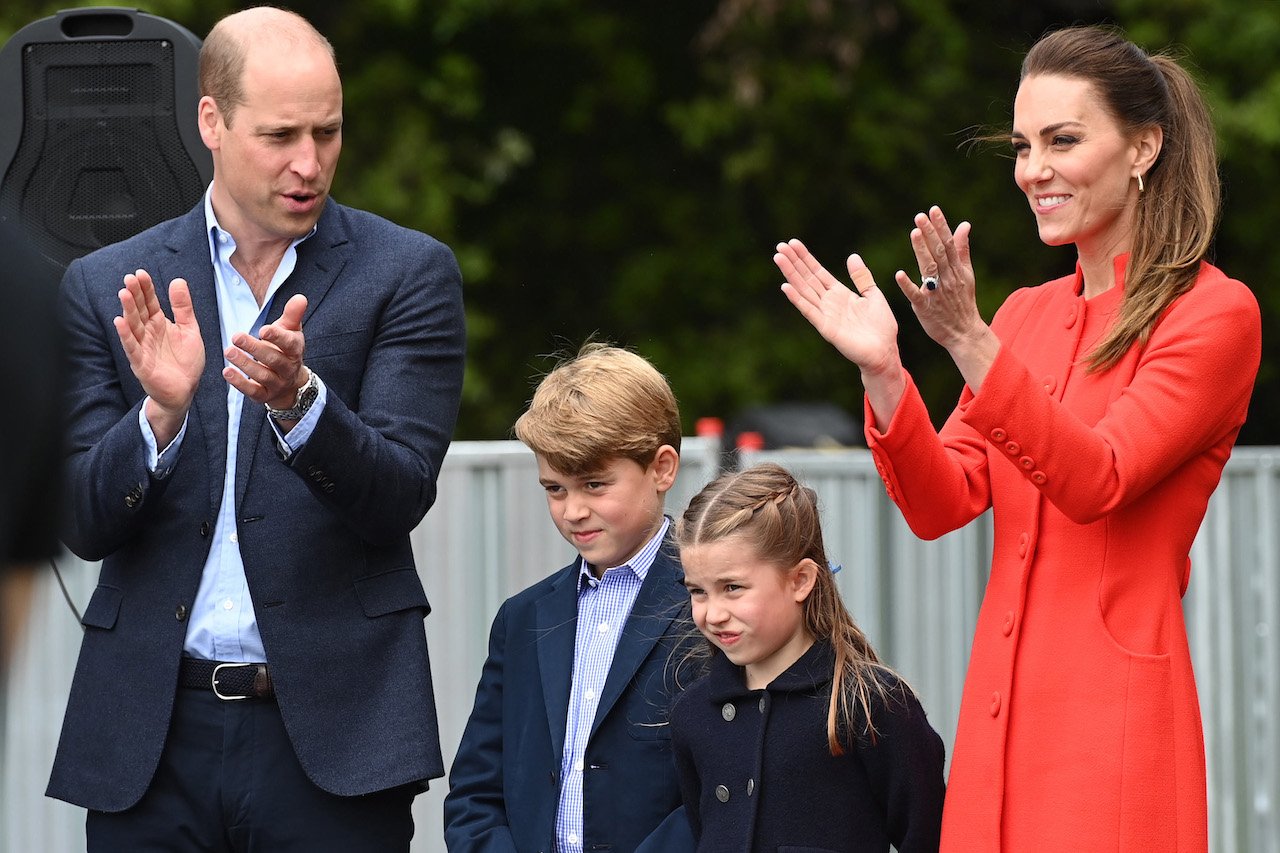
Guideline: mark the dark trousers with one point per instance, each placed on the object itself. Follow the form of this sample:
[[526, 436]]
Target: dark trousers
[[228, 781]]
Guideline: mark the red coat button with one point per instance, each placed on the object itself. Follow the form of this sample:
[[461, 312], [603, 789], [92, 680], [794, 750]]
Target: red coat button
[[995, 704], [1007, 627], [1022, 545], [1071, 317], [1014, 448], [1050, 384], [998, 434], [1039, 478], [1027, 462]]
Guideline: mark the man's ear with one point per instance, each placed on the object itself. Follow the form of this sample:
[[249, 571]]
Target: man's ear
[[209, 120], [665, 464]]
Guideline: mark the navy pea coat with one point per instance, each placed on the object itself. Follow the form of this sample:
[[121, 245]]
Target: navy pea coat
[[756, 773]]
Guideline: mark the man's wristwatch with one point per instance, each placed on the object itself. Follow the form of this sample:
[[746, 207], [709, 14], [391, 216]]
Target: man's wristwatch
[[301, 404]]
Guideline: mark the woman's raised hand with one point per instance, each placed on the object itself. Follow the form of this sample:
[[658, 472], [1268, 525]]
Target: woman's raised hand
[[858, 322], [948, 311]]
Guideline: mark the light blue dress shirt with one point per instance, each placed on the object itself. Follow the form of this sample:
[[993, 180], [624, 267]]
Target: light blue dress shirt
[[222, 625], [603, 607]]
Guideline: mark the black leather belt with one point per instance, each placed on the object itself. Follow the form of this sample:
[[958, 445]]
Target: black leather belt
[[228, 681]]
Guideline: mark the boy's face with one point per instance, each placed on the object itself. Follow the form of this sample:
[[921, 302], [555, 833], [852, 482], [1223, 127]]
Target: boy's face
[[609, 514]]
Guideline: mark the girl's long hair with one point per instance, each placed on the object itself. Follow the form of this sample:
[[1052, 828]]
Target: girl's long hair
[[777, 517]]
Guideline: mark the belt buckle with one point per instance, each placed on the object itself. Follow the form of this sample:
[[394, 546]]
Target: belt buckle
[[214, 682]]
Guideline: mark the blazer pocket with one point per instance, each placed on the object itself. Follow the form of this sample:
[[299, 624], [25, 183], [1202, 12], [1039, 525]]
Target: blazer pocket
[[390, 592], [338, 343], [104, 607]]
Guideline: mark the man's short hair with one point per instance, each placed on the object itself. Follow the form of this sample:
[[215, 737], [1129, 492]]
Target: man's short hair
[[225, 49], [604, 403]]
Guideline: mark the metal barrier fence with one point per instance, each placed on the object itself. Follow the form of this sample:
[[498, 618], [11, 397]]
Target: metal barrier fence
[[489, 536]]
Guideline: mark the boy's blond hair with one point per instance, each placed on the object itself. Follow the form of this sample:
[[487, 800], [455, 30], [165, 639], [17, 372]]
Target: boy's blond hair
[[604, 403]]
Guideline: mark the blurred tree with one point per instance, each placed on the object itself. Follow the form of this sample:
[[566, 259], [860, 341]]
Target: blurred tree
[[626, 169]]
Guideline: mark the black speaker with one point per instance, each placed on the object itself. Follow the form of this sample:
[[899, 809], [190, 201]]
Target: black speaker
[[98, 136]]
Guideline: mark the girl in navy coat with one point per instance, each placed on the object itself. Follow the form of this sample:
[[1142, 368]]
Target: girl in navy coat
[[797, 739]]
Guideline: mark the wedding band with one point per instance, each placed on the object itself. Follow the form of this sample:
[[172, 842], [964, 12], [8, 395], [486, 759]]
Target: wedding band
[[929, 282]]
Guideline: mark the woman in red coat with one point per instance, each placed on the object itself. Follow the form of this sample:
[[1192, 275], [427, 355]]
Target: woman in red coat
[[1098, 412]]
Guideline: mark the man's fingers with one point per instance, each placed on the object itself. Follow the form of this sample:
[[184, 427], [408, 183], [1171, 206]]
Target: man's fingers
[[291, 316], [180, 298]]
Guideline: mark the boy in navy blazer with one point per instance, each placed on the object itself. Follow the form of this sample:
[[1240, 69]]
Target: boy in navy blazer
[[568, 746]]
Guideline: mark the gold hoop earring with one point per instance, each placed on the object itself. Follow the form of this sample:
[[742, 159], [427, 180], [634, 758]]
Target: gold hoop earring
[[1141, 188]]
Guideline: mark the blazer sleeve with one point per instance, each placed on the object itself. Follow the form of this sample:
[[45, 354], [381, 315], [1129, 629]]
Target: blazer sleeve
[[111, 493], [374, 460], [475, 809], [686, 768], [904, 764], [1189, 393]]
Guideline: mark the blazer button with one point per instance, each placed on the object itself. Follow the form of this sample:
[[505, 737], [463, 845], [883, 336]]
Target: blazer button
[[722, 793], [133, 497], [995, 704], [751, 787], [728, 711], [204, 528], [327, 488], [1007, 627], [181, 613]]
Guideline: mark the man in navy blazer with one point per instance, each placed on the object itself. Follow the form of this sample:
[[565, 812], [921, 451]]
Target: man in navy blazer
[[249, 452], [568, 747]]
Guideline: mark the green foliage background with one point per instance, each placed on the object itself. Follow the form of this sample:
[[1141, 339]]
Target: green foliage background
[[625, 169]]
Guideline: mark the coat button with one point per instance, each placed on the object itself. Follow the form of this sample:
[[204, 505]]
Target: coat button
[[1007, 627], [181, 613], [1039, 478], [1050, 384], [722, 793], [1022, 544], [995, 704], [1027, 462], [998, 434], [204, 528], [1014, 448], [764, 702], [751, 787], [1071, 317], [133, 497], [728, 711]]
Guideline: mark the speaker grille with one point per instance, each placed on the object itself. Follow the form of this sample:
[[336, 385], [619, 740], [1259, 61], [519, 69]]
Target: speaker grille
[[100, 157]]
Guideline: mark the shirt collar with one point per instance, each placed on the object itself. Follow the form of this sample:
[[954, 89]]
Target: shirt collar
[[639, 564], [213, 229]]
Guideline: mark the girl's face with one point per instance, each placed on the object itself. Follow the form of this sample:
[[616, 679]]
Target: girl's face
[[750, 609], [1076, 166]]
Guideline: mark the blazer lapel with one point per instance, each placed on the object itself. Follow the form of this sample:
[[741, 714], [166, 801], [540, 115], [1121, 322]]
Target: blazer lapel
[[321, 257], [189, 243], [656, 606], [557, 627]]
